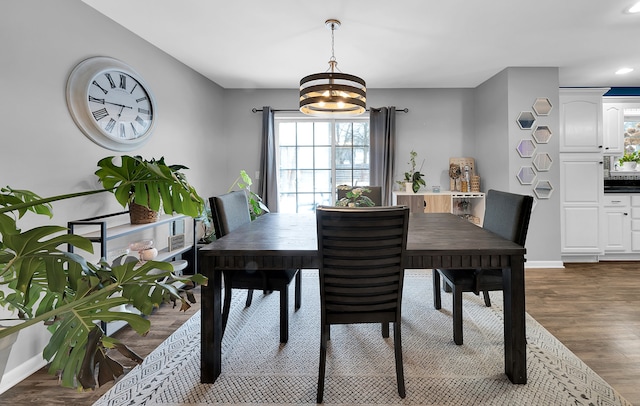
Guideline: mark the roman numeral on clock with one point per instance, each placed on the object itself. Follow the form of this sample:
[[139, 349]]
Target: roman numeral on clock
[[96, 100], [134, 130], [99, 87], [110, 79], [123, 82], [100, 114], [141, 99], [110, 125]]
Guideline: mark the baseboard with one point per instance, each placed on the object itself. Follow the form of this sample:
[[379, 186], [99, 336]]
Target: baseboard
[[543, 264], [23, 371]]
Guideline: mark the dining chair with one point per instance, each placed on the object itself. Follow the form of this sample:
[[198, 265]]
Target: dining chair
[[361, 252], [230, 211], [375, 194], [507, 215]]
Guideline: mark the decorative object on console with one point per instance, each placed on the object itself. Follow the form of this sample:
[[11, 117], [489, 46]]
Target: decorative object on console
[[331, 93], [413, 177], [149, 183], [461, 169], [110, 103]]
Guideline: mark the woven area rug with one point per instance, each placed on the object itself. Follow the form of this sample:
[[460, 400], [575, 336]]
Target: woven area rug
[[257, 370]]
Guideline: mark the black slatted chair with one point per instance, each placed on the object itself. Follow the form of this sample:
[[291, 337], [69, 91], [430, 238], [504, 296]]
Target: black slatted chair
[[230, 211], [375, 194], [506, 214], [361, 253]]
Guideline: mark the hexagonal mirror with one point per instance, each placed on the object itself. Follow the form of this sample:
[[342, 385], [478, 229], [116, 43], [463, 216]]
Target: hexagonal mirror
[[543, 189], [542, 106], [526, 148], [526, 175], [526, 120], [542, 134], [542, 162]]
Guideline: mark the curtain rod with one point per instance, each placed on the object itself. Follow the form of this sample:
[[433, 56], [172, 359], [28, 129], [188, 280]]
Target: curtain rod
[[255, 110]]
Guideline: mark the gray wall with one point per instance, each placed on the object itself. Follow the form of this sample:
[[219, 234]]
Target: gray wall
[[42, 148], [499, 101]]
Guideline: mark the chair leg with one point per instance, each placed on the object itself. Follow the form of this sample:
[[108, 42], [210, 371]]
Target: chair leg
[[322, 362], [457, 315], [284, 315], [227, 301], [397, 345], [249, 298], [487, 299], [437, 302], [298, 289], [385, 329]]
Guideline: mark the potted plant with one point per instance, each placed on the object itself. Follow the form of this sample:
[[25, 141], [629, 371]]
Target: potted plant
[[355, 197], [413, 179], [256, 205], [629, 160], [151, 184], [43, 282]]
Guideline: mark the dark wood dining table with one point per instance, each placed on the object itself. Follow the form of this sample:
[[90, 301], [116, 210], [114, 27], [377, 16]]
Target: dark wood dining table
[[435, 240]]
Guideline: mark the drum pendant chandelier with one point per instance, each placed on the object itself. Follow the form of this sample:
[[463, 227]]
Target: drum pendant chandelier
[[332, 93]]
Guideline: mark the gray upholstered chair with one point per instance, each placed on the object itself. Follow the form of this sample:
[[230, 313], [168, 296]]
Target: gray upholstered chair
[[375, 194], [230, 211], [506, 214], [361, 253]]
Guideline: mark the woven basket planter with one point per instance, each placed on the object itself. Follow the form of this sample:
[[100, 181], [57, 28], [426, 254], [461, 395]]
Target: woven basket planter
[[139, 214]]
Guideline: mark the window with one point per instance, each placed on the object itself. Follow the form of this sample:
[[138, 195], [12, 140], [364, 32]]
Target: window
[[317, 154]]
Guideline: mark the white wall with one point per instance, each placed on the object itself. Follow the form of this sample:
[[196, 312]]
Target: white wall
[[43, 150]]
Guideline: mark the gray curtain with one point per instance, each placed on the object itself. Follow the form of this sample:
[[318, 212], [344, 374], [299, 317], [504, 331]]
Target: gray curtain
[[268, 189], [382, 130]]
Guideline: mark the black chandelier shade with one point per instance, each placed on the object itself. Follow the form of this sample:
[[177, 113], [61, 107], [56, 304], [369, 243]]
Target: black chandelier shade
[[331, 93]]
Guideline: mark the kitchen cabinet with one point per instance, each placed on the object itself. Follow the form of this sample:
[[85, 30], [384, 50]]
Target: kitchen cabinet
[[581, 172], [173, 236], [581, 128], [468, 205], [613, 128], [621, 226], [582, 180], [616, 230]]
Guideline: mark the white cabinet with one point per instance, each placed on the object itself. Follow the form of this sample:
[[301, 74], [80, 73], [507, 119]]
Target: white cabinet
[[616, 230], [635, 223], [613, 130], [468, 205], [581, 177], [581, 127]]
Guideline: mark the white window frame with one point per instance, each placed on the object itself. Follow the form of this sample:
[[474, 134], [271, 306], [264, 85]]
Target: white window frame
[[289, 117]]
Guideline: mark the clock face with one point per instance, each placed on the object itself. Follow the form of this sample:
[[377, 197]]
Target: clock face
[[111, 104], [120, 105]]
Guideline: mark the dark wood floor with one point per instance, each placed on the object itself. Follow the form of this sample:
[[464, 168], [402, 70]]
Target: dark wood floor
[[594, 309]]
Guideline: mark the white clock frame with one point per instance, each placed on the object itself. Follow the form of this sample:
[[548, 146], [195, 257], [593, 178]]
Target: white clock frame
[[77, 94]]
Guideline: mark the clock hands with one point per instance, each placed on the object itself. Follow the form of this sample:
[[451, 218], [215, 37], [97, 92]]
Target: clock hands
[[119, 105]]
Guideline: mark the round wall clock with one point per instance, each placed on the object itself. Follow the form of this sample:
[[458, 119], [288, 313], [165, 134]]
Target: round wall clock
[[110, 103]]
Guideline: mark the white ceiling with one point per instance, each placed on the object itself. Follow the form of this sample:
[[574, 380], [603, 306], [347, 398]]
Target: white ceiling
[[390, 44]]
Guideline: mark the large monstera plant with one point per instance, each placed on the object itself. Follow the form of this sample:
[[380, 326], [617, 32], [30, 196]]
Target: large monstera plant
[[43, 282]]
